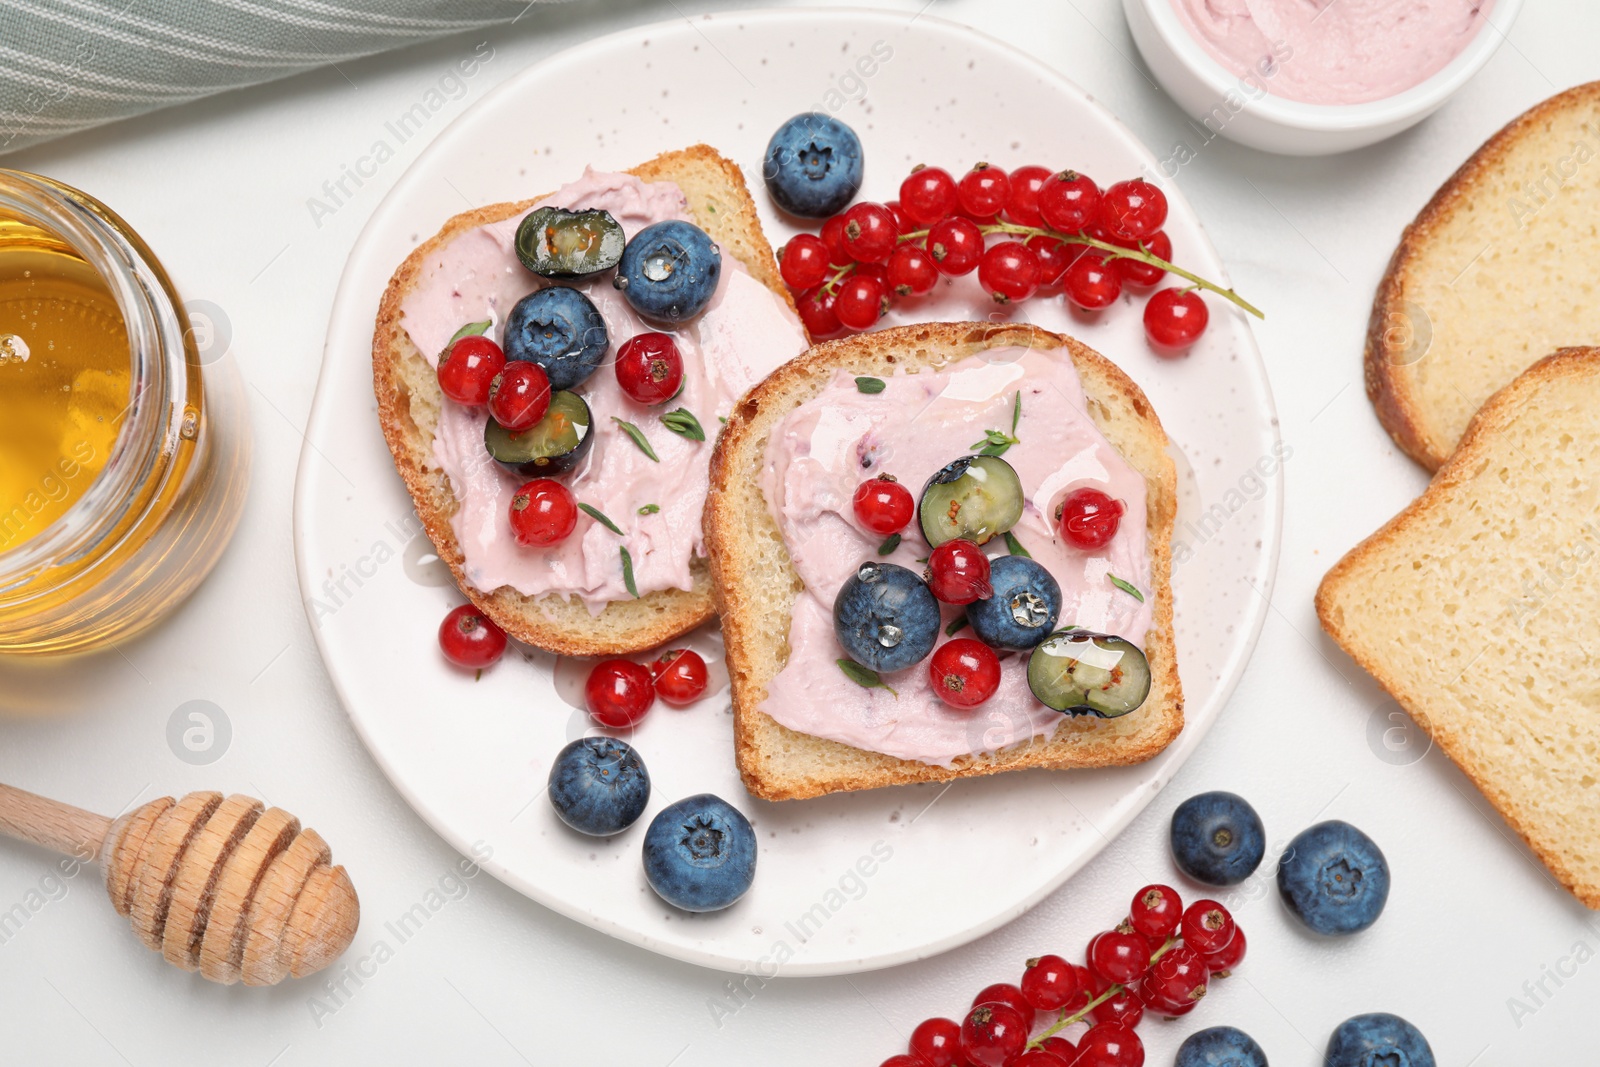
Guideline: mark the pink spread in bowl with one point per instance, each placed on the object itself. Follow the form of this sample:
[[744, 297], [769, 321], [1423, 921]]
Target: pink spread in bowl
[[744, 334], [821, 451], [1334, 51]]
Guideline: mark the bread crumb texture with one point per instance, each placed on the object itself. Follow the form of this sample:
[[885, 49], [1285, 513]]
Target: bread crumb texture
[[1494, 274], [1477, 608]]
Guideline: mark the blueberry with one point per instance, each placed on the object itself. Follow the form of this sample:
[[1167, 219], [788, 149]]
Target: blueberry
[[1023, 610], [599, 786], [700, 854], [1220, 1046], [1378, 1040], [885, 617], [813, 165], [1334, 878], [1217, 838], [561, 330], [669, 271]]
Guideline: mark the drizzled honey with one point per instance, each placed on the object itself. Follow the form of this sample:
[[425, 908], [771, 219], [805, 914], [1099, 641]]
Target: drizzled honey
[[65, 377]]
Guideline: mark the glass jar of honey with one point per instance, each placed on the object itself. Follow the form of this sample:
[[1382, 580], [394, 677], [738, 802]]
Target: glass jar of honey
[[123, 453]]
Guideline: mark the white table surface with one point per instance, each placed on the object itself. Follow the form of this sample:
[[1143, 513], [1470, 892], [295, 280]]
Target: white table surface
[[220, 189]]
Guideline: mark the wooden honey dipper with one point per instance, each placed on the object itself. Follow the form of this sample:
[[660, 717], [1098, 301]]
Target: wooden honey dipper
[[225, 887]]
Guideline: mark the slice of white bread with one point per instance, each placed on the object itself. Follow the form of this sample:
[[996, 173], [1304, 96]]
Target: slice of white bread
[[409, 401], [756, 585], [1474, 605], [1496, 272]]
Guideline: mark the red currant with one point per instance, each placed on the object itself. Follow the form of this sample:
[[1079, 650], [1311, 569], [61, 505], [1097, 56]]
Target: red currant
[[1119, 956], [1054, 257], [1069, 201], [1088, 519], [901, 1060], [1134, 209], [869, 233], [804, 261], [470, 638], [832, 235], [1091, 283], [902, 222], [680, 676], [983, 191], [618, 693], [1061, 1047], [992, 1035], [878, 272], [1022, 206], [1135, 272], [519, 395], [1110, 1045], [1206, 927], [1051, 983], [860, 302], [1123, 1007], [964, 672], [649, 368], [1156, 912], [817, 314], [912, 271], [467, 369], [937, 1042], [958, 572], [1040, 1057], [956, 245], [1007, 994], [928, 195], [1220, 963], [1174, 319], [883, 505], [543, 513], [1177, 978], [1009, 272]]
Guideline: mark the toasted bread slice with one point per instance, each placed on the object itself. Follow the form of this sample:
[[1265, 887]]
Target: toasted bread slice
[[409, 401], [1473, 607], [756, 584], [1496, 272]]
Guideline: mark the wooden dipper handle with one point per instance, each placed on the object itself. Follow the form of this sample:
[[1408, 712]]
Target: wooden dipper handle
[[216, 885]]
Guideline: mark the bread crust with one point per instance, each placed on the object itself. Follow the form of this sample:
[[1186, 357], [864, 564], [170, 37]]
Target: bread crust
[[737, 575], [1391, 383], [1457, 472], [554, 622]]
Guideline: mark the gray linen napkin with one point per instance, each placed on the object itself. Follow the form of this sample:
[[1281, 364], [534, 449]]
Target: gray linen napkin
[[66, 65]]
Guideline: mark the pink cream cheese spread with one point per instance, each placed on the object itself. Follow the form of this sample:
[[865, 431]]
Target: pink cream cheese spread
[[743, 334], [821, 451], [1334, 51]]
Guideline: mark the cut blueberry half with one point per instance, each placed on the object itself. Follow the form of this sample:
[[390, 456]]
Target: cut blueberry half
[[553, 242], [550, 446], [975, 497], [1083, 673]]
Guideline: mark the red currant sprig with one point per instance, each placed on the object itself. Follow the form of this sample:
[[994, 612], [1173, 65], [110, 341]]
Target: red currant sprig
[[1161, 958], [1061, 229]]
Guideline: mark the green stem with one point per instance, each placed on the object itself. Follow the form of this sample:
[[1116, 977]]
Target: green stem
[[1083, 1013], [1113, 252], [832, 284]]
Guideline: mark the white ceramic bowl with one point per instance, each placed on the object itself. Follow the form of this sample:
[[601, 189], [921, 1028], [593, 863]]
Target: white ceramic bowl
[[1206, 90]]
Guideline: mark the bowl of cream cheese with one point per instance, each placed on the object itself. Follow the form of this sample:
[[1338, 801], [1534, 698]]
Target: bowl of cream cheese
[[1312, 77]]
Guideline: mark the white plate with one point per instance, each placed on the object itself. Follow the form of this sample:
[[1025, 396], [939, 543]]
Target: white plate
[[845, 883]]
